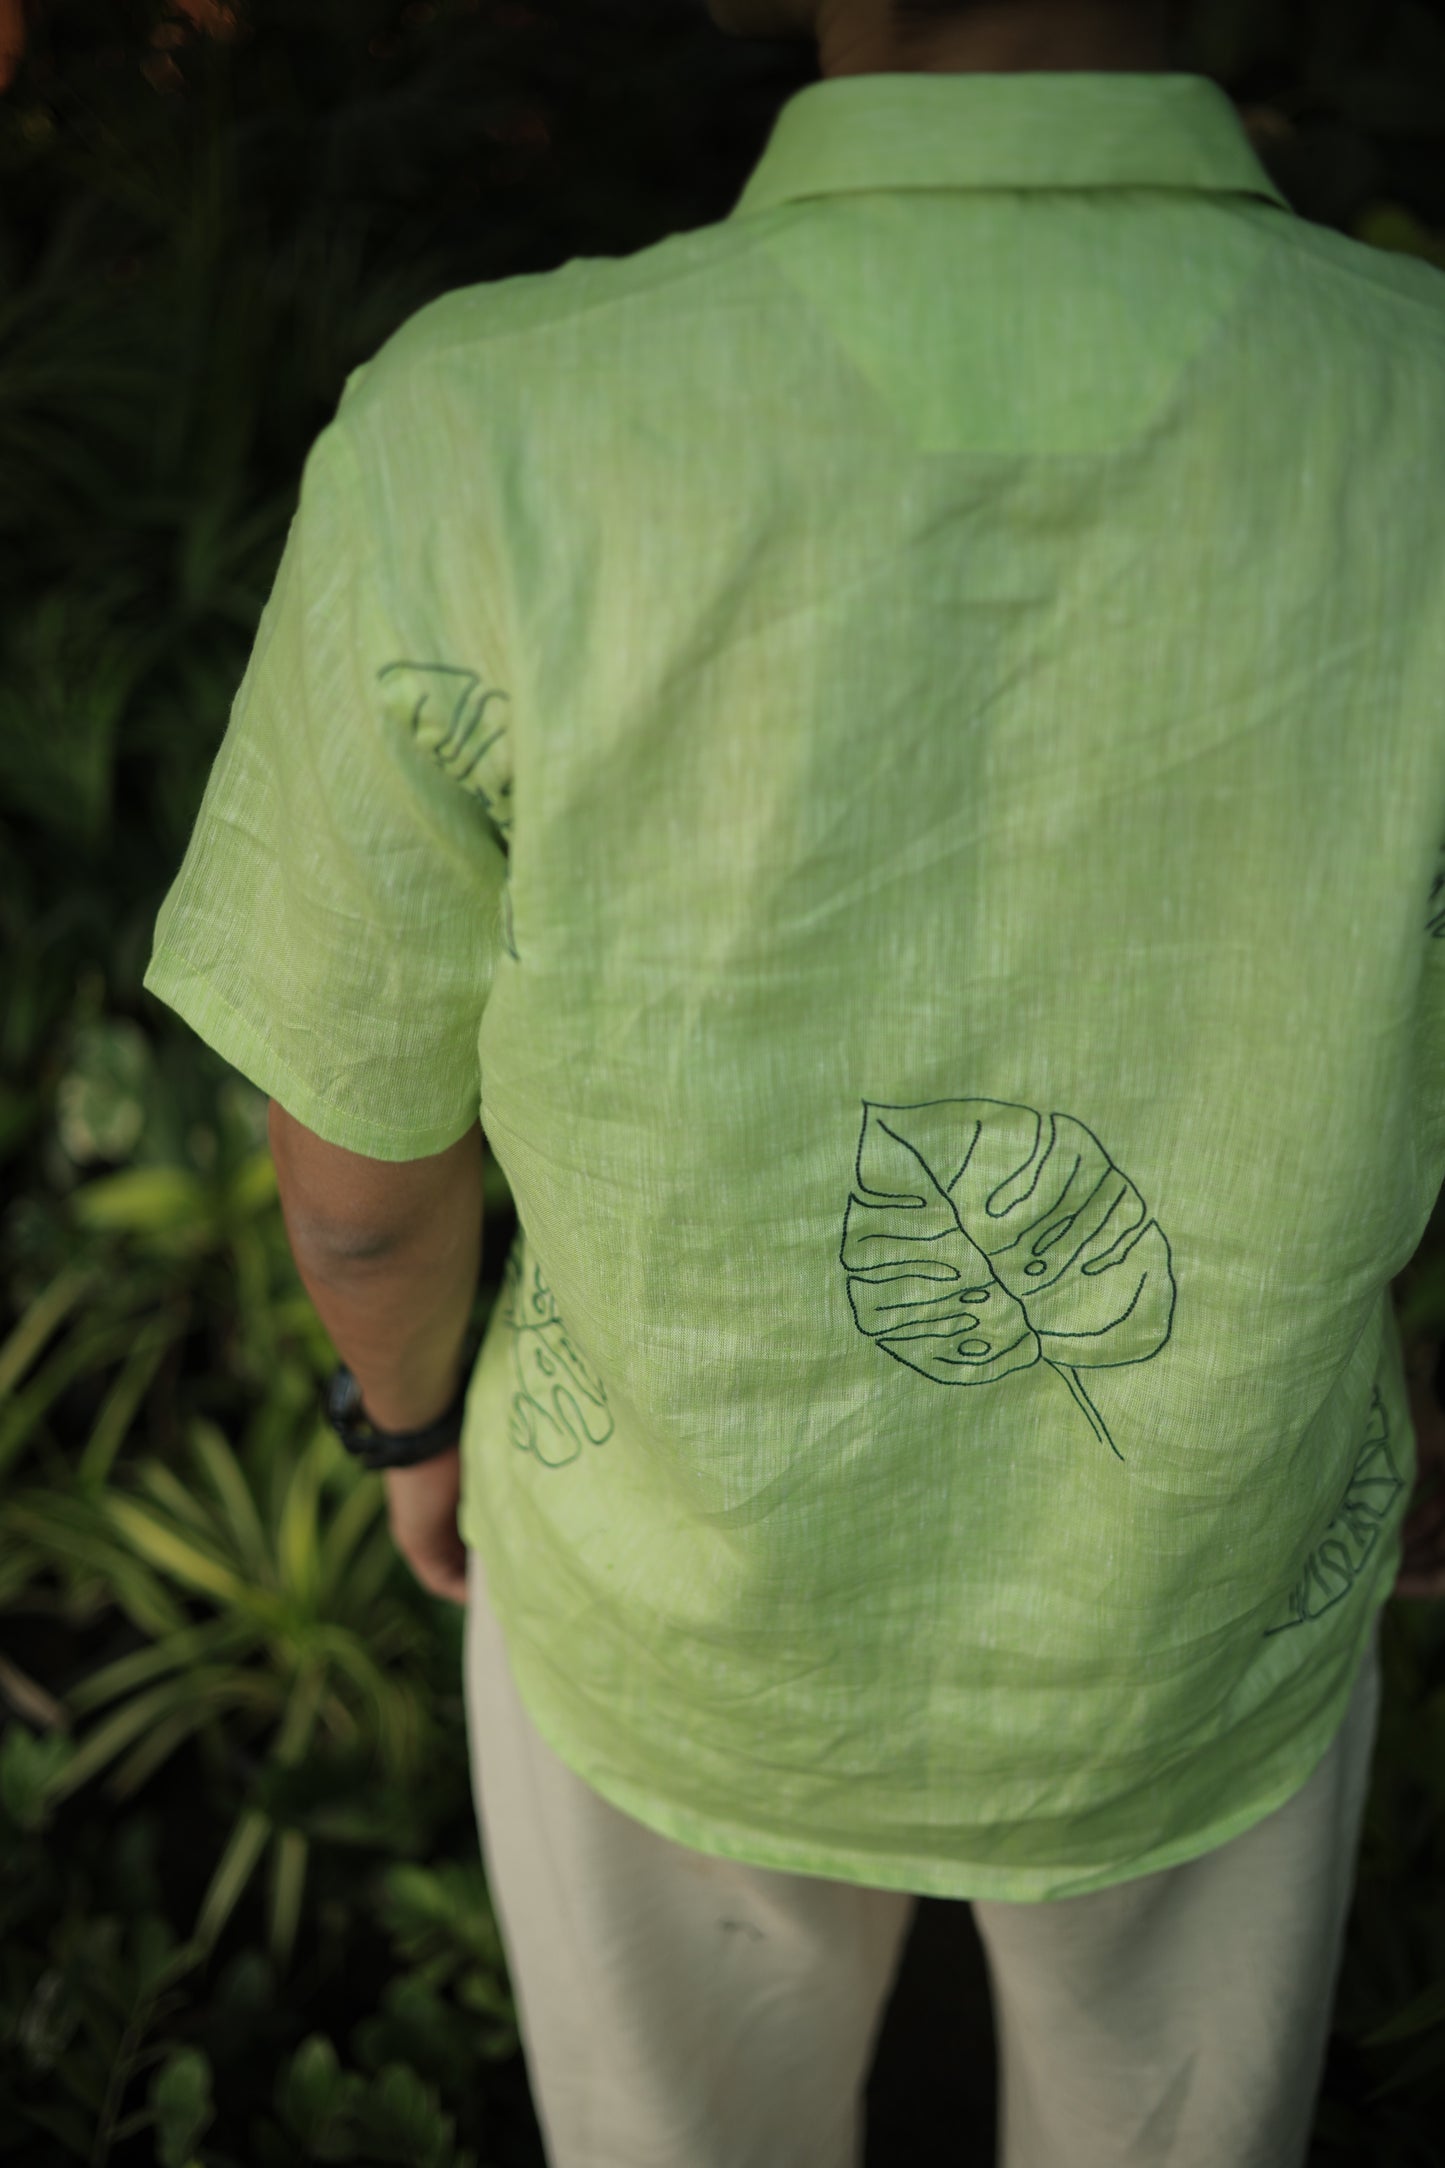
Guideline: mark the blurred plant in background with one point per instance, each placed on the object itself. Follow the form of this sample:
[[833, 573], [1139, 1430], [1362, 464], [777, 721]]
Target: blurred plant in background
[[235, 1815]]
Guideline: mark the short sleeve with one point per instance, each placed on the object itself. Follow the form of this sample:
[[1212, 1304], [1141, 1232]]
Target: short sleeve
[[334, 926]]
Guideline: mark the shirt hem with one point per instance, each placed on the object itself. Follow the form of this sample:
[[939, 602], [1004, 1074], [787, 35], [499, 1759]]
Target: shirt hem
[[925, 1878]]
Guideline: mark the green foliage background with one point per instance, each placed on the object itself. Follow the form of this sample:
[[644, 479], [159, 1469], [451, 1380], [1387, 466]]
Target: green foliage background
[[235, 1821]]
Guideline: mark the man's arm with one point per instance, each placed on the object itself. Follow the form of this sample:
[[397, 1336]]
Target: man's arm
[[390, 1254]]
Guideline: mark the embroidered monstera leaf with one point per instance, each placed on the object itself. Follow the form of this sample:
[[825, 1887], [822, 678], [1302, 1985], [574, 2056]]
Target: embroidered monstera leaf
[[453, 716], [560, 1403], [1340, 1556], [447, 710], [983, 1238]]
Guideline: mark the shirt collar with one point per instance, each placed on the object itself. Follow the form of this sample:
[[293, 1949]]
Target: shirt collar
[[1027, 130]]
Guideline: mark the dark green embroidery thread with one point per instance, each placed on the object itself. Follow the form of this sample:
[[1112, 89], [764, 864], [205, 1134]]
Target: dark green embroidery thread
[[447, 711], [984, 1238], [560, 1403], [1338, 1559]]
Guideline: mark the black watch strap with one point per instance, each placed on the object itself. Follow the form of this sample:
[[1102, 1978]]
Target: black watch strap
[[374, 1447]]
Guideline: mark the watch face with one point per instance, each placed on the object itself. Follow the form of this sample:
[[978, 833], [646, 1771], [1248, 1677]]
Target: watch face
[[343, 1395]]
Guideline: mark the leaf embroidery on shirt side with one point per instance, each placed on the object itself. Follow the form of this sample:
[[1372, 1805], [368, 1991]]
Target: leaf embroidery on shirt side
[[560, 1403], [452, 716], [1435, 924], [1335, 1563], [983, 1238]]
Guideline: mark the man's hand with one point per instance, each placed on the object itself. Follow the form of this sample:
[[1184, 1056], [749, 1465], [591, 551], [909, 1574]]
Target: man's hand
[[1422, 1566], [421, 1504]]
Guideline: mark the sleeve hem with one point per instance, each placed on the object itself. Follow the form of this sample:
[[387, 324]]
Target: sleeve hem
[[237, 1041]]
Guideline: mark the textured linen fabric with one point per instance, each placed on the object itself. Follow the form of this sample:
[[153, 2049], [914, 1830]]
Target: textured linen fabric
[[893, 747], [684, 2011]]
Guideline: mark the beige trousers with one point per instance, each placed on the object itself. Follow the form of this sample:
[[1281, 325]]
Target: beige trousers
[[682, 2011]]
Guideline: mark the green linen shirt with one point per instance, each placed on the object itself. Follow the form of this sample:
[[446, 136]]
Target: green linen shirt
[[892, 747]]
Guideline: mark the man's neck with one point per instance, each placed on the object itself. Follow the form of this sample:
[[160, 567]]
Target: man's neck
[[995, 39]]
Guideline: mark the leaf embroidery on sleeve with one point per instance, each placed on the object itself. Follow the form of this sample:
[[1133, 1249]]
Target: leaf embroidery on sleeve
[[983, 1238], [560, 1403]]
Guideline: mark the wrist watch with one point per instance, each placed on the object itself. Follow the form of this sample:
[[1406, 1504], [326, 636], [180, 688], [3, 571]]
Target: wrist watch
[[374, 1447]]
